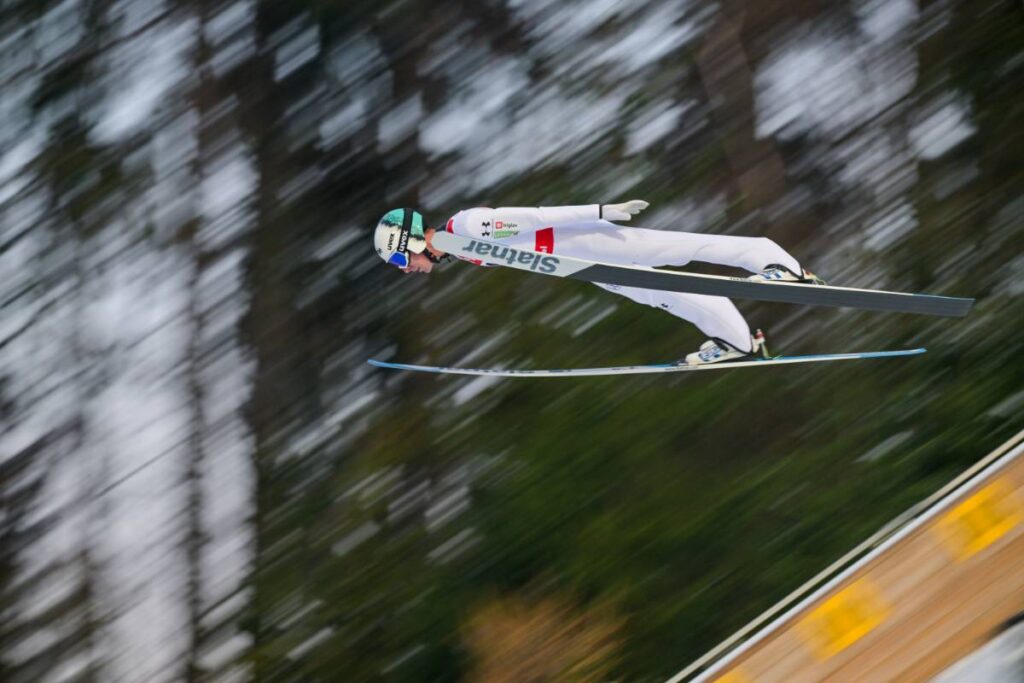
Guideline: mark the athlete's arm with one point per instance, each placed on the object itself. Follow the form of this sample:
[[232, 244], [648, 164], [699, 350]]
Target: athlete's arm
[[511, 221]]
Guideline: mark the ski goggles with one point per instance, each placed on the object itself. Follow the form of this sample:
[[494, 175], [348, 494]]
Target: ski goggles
[[400, 259]]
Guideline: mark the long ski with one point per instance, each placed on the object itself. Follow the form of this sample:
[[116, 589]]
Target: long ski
[[644, 369], [494, 253]]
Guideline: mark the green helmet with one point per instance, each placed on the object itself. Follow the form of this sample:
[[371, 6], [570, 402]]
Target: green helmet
[[399, 233]]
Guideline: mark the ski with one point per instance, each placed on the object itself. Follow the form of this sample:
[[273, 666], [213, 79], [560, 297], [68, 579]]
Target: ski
[[644, 369], [493, 253]]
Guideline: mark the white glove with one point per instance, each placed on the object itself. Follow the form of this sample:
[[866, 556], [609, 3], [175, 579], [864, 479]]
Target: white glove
[[623, 211]]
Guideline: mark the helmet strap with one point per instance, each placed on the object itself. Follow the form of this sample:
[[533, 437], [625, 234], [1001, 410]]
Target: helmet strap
[[411, 233], [407, 225]]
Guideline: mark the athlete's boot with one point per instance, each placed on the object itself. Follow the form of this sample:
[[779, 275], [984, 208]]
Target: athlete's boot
[[717, 350], [775, 272]]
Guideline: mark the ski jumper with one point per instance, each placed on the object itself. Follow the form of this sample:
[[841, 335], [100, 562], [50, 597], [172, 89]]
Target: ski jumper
[[580, 231]]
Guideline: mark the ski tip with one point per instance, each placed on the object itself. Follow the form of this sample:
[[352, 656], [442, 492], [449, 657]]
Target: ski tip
[[950, 306], [406, 366], [902, 352]]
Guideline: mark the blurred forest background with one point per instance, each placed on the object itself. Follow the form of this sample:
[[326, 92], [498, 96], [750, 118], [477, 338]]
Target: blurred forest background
[[201, 479]]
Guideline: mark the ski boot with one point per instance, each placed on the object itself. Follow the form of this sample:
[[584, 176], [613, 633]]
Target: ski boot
[[717, 350], [775, 272]]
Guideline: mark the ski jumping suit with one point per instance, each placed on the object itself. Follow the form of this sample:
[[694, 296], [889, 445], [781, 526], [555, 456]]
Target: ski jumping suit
[[579, 231]]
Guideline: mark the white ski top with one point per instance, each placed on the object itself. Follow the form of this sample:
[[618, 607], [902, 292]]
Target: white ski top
[[581, 232], [531, 227]]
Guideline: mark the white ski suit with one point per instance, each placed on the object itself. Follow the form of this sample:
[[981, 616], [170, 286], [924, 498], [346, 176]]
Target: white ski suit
[[579, 231]]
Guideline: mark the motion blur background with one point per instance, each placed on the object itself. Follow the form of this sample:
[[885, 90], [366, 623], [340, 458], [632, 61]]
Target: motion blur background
[[200, 477]]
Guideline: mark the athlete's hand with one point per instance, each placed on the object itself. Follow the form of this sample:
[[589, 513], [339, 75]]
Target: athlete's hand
[[623, 211]]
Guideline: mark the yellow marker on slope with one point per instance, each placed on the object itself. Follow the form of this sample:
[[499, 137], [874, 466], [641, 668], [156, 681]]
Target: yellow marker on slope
[[981, 520], [844, 618], [734, 676]]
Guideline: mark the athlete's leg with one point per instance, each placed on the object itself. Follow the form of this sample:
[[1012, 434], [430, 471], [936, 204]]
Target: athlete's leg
[[611, 243], [715, 316]]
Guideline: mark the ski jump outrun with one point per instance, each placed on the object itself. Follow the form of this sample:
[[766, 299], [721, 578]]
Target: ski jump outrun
[[586, 243]]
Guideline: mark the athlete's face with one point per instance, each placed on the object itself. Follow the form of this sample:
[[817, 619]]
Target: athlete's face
[[419, 263]]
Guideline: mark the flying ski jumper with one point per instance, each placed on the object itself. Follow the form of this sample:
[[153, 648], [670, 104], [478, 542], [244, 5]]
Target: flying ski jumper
[[587, 232]]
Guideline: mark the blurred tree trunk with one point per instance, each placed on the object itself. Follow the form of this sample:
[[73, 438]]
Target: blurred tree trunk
[[76, 180], [283, 391], [728, 81], [204, 98]]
